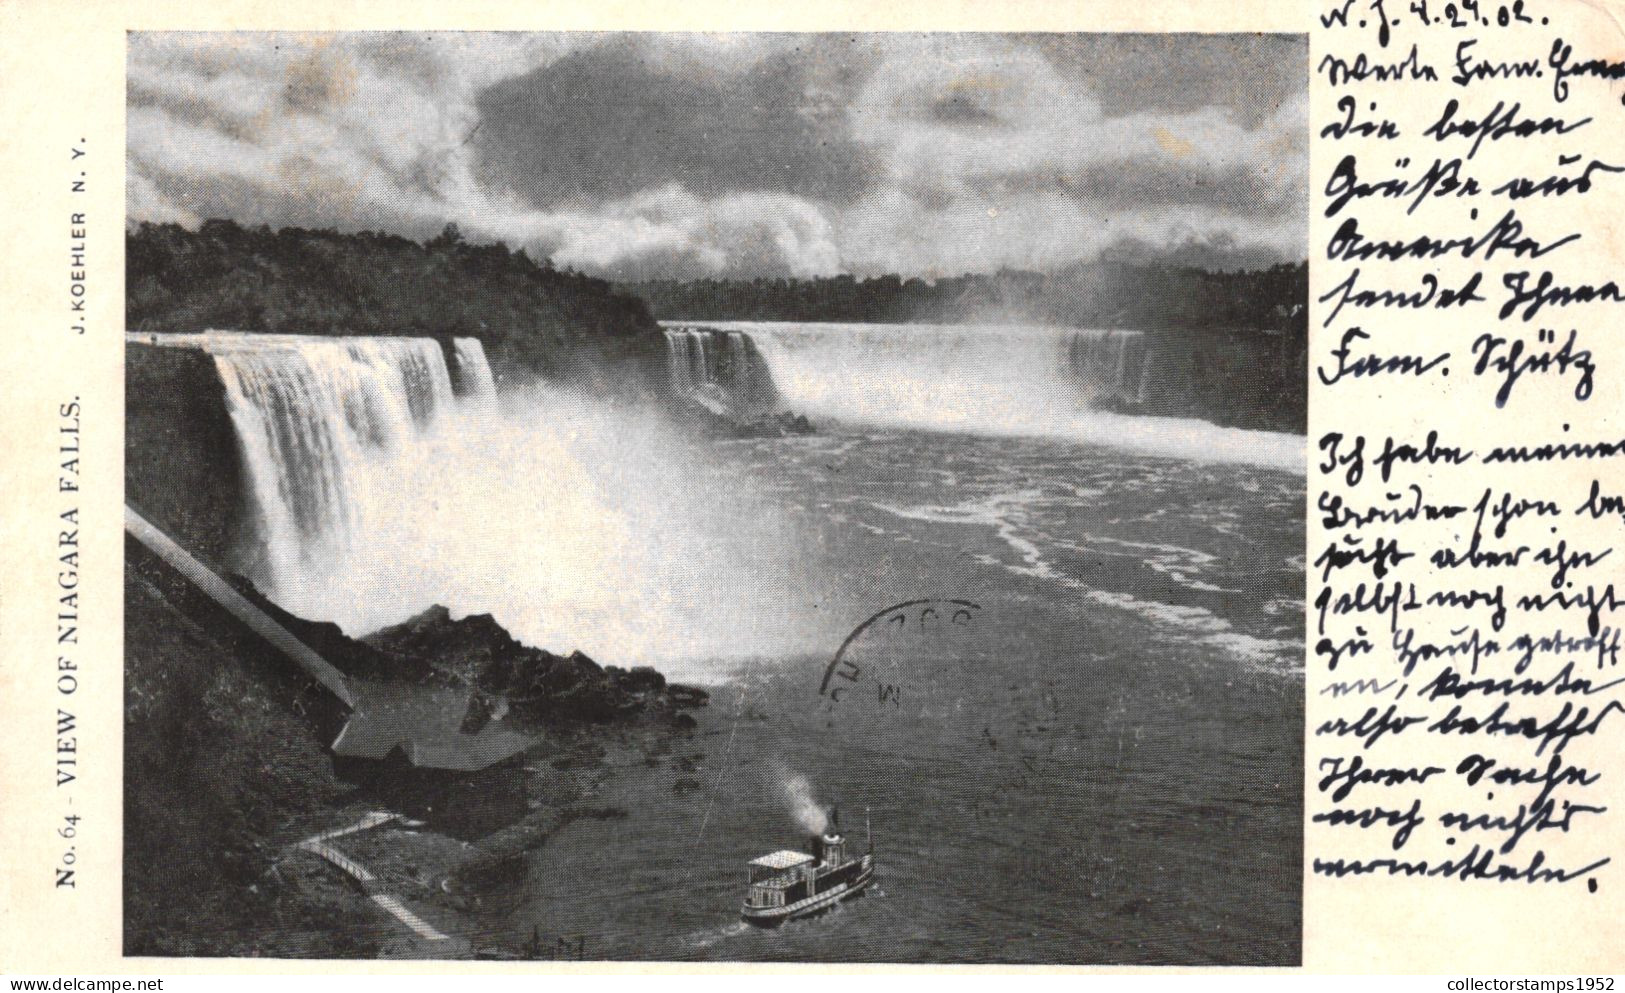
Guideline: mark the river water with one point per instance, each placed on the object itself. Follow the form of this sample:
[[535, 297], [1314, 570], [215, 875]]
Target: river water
[[1085, 747], [1100, 762]]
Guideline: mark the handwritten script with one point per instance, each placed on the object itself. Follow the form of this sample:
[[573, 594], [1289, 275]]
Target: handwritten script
[[1467, 471]]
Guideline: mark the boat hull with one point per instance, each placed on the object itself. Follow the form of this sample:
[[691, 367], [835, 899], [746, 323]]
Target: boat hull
[[815, 904]]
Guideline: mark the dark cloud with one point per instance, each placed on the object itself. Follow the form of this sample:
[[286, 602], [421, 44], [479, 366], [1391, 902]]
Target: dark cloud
[[1239, 190], [1248, 75], [961, 109], [611, 120]]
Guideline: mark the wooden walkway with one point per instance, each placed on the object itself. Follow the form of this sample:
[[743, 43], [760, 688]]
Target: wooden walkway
[[318, 845]]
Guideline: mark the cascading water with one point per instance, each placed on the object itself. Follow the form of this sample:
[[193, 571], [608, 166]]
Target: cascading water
[[738, 350], [723, 364], [677, 347], [381, 480], [311, 414], [702, 359], [695, 362], [1111, 365], [477, 385], [991, 380]]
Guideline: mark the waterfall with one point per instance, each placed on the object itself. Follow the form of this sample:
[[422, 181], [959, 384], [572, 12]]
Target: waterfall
[[375, 484], [703, 371], [738, 353], [677, 353], [310, 414], [724, 363], [1107, 365], [693, 361], [1014, 380], [1111, 365], [474, 373]]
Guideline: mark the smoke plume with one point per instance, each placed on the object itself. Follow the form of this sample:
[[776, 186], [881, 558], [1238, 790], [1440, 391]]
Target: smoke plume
[[809, 814]]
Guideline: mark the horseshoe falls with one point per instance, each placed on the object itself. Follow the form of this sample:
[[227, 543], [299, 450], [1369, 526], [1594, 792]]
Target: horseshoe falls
[[986, 380]]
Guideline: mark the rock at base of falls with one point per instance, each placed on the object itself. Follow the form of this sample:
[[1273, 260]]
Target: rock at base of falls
[[227, 760], [713, 414], [784, 424], [535, 683]]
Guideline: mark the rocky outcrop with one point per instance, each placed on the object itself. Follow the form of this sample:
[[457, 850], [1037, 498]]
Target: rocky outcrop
[[537, 684], [220, 757], [714, 416], [781, 425]]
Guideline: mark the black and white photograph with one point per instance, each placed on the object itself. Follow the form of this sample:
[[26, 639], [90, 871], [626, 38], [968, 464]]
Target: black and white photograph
[[739, 497]]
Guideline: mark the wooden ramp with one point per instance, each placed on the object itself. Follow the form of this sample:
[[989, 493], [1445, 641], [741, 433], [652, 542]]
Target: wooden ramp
[[222, 593], [431, 727]]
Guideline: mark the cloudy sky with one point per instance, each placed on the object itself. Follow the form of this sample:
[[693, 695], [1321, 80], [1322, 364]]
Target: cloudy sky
[[651, 155]]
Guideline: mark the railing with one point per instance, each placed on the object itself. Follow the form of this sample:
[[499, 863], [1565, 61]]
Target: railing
[[780, 880]]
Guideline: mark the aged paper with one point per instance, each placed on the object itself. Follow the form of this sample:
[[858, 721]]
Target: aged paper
[[1463, 692], [1089, 486]]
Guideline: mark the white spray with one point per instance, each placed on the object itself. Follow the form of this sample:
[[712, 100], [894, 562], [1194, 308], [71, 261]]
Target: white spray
[[988, 380], [575, 522]]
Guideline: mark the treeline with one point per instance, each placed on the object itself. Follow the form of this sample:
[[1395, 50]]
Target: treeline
[[1098, 294], [530, 316]]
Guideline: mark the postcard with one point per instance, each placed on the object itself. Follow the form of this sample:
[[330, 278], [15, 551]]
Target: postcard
[[1082, 487]]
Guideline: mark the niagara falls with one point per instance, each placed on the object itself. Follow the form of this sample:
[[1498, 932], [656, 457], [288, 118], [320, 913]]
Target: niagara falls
[[762, 547]]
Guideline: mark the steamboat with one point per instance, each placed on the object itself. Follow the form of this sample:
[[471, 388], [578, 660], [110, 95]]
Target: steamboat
[[788, 884]]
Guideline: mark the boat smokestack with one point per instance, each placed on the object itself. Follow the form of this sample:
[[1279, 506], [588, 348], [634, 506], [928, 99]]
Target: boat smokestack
[[831, 846]]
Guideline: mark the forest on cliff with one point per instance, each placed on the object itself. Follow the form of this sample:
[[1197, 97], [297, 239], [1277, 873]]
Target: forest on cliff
[[529, 315], [1105, 294]]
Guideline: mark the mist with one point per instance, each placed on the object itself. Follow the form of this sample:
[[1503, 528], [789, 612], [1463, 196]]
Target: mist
[[576, 523], [980, 380]]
